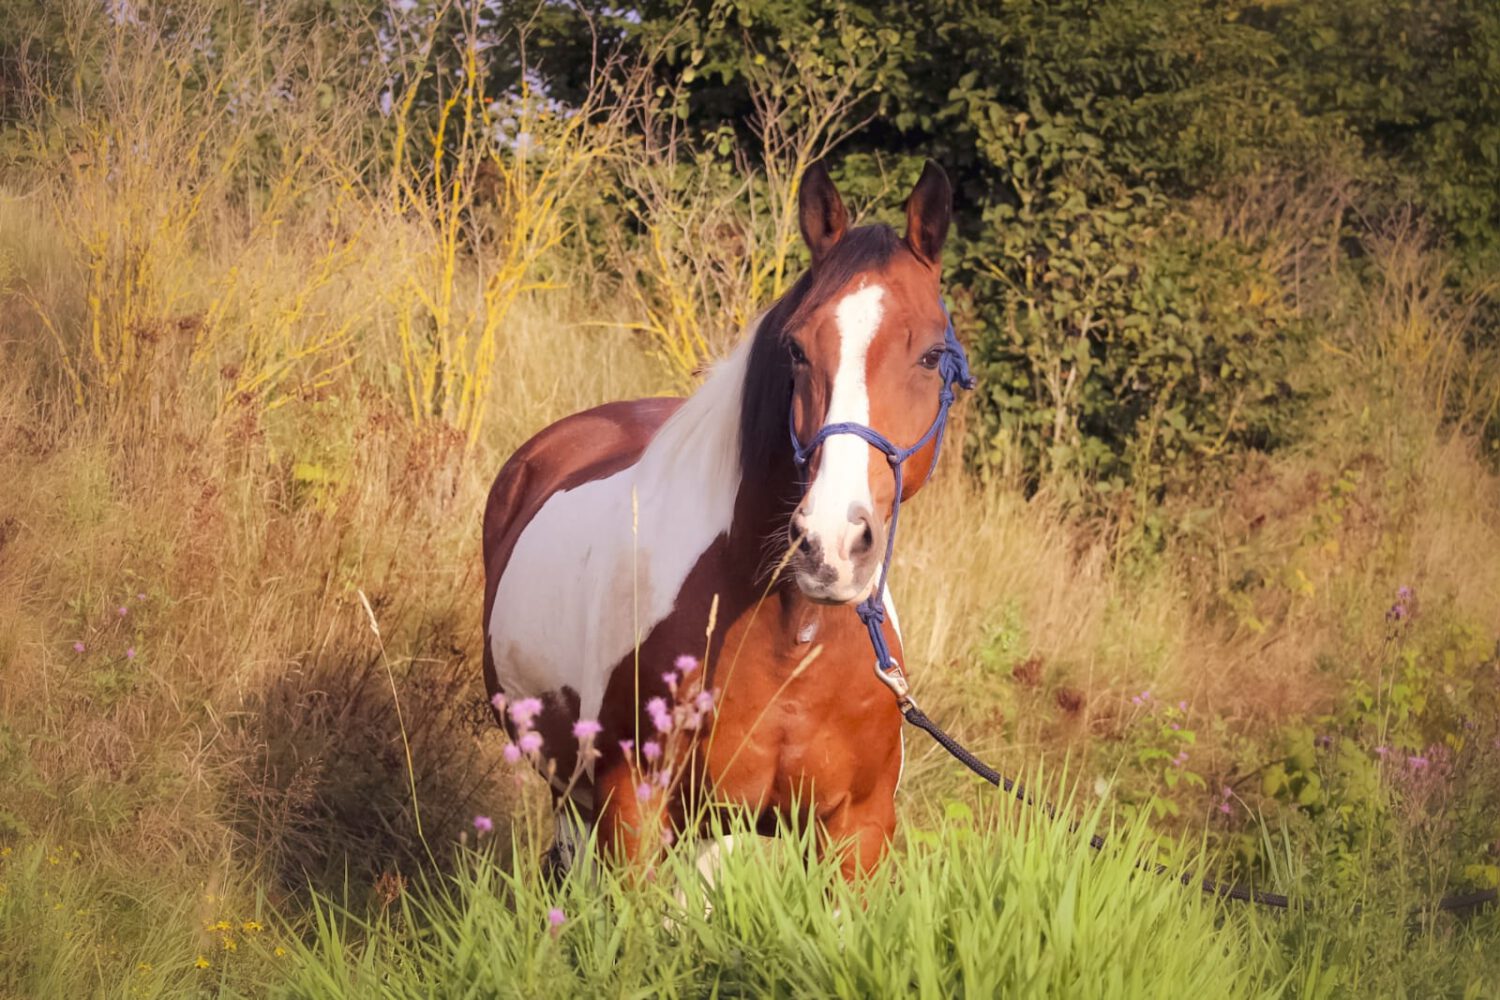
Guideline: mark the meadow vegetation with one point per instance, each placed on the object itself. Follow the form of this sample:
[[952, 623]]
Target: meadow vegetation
[[282, 286]]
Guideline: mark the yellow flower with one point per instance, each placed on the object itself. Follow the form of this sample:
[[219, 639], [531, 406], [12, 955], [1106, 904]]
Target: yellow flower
[[280, 951], [4, 852], [222, 925], [202, 963], [143, 967], [251, 926], [229, 944]]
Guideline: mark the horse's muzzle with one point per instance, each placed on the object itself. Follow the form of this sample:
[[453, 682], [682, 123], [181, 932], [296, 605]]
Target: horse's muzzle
[[836, 563]]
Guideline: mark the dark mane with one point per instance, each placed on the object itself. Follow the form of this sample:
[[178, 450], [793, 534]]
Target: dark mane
[[768, 373]]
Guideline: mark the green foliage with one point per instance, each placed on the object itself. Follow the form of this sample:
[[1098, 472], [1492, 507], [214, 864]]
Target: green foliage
[[1131, 348], [1418, 83]]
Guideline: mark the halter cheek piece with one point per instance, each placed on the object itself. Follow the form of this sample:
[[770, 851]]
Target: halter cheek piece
[[954, 369]]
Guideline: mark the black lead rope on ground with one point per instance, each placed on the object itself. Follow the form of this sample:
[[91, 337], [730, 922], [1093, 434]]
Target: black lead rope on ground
[[918, 718]]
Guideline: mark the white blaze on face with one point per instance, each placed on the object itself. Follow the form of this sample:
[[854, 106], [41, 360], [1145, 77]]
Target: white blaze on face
[[843, 480]]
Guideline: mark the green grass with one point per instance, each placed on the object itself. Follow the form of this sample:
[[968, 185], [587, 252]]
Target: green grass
[[994, 901], [1001, 905]]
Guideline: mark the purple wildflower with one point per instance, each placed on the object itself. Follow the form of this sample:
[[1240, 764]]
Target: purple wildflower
[[141, 596], [525, 711], [586, 729], [686, 664], [511, 753], [643, 791], [1402, 609], [704, 701], [530, 742], [130, 653], [661, 718], [498, 701], [651, 750], [556, 918], [78, 647], [1417, 763], [483, 824], [120, 611], [671, 679]]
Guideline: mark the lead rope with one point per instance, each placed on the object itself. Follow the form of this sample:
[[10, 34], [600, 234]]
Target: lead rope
[[954, 368]]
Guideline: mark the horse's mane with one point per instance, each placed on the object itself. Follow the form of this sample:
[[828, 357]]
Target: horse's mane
[[768, 373]]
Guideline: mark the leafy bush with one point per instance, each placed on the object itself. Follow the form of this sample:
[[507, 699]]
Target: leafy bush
[[1128, 347]]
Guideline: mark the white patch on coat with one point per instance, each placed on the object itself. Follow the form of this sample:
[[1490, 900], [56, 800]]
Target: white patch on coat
[[843, 470], [709, 860], [843, 480], [602, 564], [895, 620]]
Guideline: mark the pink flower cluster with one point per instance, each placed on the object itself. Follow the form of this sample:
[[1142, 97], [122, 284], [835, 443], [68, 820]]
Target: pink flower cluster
[[523, 714], [676, 719], [528, 743]]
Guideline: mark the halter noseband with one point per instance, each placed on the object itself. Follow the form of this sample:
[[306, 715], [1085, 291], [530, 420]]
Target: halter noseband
[[954, 369]]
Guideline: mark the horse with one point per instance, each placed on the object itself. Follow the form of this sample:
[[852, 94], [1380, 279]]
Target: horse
[[684, 569]]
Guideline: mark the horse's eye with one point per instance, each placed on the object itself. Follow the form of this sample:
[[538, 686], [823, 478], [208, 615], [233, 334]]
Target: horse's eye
[[795, 350], [932, 358]]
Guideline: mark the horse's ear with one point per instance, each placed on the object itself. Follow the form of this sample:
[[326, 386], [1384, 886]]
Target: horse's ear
[[820, 212], [928, 210]]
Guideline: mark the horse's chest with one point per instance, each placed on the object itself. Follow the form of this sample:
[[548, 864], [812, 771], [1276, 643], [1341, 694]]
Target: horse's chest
[[806, 743]]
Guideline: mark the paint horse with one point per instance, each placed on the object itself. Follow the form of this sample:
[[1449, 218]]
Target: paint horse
[[616, 537]]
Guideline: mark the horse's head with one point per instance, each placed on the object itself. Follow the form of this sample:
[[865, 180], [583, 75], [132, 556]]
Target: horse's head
[[867, 345]]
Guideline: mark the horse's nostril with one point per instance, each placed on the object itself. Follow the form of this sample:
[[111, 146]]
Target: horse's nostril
[[861, 517], [804, 545]]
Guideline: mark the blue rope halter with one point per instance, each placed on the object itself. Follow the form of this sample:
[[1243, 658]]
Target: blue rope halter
[[954, 369]]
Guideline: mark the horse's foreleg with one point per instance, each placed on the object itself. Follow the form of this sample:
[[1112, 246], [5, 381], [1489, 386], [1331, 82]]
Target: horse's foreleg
[[632, 815], [861, 831]]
